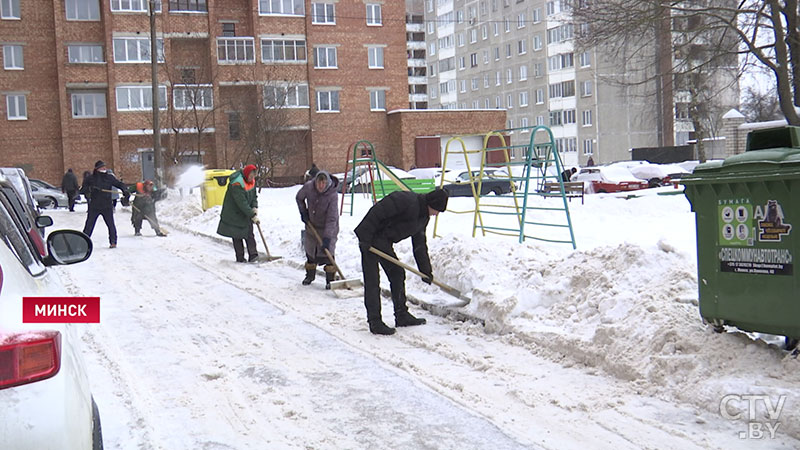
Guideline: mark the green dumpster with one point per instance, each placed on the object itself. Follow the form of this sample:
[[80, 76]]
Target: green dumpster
[[214, 186], [745, 209]]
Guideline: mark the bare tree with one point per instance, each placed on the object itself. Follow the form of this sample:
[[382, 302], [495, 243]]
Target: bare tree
[[760, 106], [763, 32]]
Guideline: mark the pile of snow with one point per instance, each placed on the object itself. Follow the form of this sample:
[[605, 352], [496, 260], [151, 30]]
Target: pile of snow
[[625, 301]]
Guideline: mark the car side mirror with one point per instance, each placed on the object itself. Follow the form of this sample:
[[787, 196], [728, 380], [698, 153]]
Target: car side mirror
[[67, 247], [44, 221]]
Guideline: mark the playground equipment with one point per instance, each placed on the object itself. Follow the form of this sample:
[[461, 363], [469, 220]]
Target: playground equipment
[[515, 214]]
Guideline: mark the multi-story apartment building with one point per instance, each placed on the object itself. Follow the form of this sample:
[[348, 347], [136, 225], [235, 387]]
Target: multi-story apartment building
[[520, 55], [302, 79], [415, 37]]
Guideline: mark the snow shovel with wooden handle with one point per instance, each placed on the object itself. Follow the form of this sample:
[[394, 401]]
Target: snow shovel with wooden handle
[[266, 249], [160, 230], [339, 284], [449, 289]]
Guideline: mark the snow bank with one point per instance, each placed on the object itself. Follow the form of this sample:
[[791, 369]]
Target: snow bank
[[624, 302]]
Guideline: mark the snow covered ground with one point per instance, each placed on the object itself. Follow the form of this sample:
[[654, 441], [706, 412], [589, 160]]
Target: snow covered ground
[[599, 347]]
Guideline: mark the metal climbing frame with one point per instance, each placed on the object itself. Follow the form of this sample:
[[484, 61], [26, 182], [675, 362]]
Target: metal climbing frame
[[503, 214], [362, 162]]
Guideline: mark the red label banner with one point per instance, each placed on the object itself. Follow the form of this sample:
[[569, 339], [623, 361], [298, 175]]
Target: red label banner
[[61, 309]]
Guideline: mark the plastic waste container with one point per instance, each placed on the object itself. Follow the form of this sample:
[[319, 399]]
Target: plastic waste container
[[746, 210], [215, 185]]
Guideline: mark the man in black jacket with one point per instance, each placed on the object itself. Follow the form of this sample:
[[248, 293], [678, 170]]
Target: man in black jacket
[[69, 186], [396, 217], [99, 185]]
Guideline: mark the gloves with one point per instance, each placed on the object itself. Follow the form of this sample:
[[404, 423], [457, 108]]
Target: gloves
[[126, 200], [428, 279], [255, 211], [304, 216], [326, 243], [255, 220]]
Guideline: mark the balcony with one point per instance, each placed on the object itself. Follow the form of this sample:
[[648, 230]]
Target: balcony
[[416, 63]]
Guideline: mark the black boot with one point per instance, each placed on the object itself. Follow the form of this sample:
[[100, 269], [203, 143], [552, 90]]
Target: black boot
[[330, 275], [405, 319], [378, 327], [311, 273]]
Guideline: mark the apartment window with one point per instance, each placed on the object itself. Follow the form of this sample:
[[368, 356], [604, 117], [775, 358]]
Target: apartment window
[[323, 14], [552, 7], [539, 96], [462, 63], [522, 46], [278, 50], [498, 102], [509, 101], [433, 91], [509, 76], [430, 5], [473, 35], [12, 57], [486, 80], [82, 9], [327, 101], [234, 126], [473, 60], [510, 126], [523, 98], [187, 6], [536, 15], [192, 97], [497, 53], [286, 7], [486, 103], [460, 39], [508, 50], [537, 42], [506, 24], [374, 15], [588, 147], [431, 27], [235, 50], [484, 32], [521, 20], [432, 49], [539, 120], [133, 5], [563, 89], [325, 58], [587, 117], [140, 98], [555, 118], [447, 65], [286, 96], [569, 116], [474, 84], [460, 16], [228, 29], [136, 50], [682, 111], [497, 78], [486, 56], [16, 107], [85, 53], [523, 72], [375, 56], [496, 27], [524, 124], [87, 105], [377, 100], [585, 59], [9, 9], [462, 85], [537, 70], [586, 89], [432, 70]]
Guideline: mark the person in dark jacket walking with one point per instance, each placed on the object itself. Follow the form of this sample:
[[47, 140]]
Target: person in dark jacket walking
[[144, 208], [84, 190], [69, 186], [399, 215], [240, 212], [99, 186], [317, 203]]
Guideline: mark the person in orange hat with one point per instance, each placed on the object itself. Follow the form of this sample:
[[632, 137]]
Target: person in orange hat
[[240, 212]]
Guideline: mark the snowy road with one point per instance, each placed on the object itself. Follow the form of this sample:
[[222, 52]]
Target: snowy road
[[197, 352]]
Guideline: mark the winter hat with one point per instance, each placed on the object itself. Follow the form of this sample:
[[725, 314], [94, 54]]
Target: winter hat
[[437, 199], [247, 169], [99, 164]]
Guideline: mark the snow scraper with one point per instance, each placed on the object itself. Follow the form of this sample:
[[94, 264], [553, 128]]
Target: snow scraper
[[449, 289], [339, 284], [266, 249]]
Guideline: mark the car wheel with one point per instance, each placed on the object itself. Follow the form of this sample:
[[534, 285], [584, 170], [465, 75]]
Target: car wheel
[[47, 203], [97, 430], [653, 182], [497, 191]]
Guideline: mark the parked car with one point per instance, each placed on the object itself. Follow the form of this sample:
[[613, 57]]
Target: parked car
[[657, 174], [461, 186], [602, 179], [44, 389], [47, 195], [363, 179], [434, 173]]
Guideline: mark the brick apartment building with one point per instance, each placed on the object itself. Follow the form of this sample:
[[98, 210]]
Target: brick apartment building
[[298, 80]]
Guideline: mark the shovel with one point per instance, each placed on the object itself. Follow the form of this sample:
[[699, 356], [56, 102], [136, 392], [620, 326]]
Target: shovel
[[266, 249], [343, 283], [160, 228], [449, 289]]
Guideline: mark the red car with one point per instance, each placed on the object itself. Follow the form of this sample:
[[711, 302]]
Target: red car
[[602, 179]]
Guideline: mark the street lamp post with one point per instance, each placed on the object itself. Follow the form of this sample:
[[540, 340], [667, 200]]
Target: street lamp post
[[158, 162]]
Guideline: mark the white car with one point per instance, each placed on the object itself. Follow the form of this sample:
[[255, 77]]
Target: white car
[[45, 398]]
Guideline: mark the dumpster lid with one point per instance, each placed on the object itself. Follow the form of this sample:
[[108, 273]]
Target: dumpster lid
[[753, 161]]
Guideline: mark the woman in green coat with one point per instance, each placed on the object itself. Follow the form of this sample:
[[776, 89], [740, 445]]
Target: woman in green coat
[[240, 212]]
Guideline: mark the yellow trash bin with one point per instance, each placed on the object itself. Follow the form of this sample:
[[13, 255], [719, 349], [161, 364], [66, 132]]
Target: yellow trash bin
[[215, 185]]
